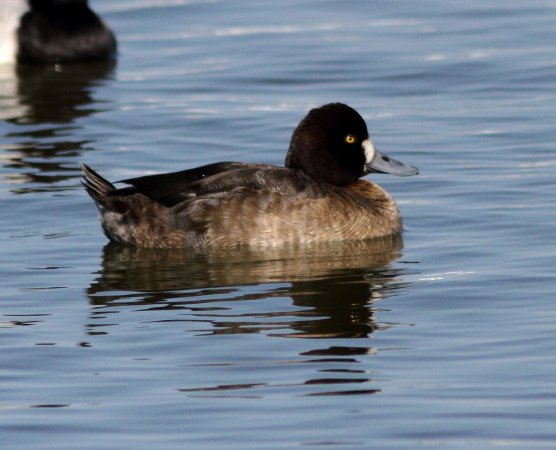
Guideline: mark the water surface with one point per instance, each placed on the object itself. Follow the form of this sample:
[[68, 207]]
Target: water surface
[[445, 340]]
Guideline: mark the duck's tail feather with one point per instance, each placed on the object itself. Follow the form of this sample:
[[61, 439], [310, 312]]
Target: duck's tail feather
[[96, 186]]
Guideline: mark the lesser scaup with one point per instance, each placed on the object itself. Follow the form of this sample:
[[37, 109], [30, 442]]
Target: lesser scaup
[[316, 197], [53, 31]]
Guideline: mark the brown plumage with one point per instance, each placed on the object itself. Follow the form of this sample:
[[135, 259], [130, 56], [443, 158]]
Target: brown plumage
[[317, 197]]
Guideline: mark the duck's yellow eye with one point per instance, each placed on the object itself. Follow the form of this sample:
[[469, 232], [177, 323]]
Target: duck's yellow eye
[[350, 139]]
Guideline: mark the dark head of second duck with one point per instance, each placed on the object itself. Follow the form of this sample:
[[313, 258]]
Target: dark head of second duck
[[52, 32], [318, 196]]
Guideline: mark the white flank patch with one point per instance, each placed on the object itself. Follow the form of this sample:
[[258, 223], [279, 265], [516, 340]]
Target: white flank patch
[[10, 15], [369, 150]]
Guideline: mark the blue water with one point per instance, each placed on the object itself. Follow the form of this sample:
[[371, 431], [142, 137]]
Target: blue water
[[446, 342]]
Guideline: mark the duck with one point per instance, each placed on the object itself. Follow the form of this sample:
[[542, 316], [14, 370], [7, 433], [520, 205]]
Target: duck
[[317, 196], [53, 32]]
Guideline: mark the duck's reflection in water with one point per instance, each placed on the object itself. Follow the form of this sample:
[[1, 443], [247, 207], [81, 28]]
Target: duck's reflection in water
[[332, 286], [317, 294], [59, 94], [41, 106]]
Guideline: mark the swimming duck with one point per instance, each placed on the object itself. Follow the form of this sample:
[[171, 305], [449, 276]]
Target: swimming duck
[[318, 196], [53, 31]]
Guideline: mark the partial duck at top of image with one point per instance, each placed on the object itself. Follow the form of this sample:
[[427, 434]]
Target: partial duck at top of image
[[53, 32]]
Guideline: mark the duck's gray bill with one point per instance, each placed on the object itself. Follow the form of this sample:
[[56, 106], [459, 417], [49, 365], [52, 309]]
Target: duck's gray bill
[[384, 164]]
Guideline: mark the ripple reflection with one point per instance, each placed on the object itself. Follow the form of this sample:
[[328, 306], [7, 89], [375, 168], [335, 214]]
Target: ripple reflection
[[312, 294], [43, 104], [331, 287]]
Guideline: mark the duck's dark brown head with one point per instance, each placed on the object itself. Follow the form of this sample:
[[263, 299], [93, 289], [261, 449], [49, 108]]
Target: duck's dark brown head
[[332, 144]]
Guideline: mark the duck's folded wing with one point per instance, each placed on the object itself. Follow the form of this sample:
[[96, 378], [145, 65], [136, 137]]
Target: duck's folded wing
[[220, 179], [258, 178], [170, 188]]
